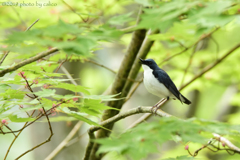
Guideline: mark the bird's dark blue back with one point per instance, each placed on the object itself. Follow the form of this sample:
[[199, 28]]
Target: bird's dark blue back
[[164, 78]]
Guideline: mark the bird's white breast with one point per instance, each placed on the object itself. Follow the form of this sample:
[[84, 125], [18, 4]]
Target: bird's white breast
[[153, 85]]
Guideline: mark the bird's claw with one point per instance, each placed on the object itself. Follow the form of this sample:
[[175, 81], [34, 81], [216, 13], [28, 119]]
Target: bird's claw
[[154, 109]]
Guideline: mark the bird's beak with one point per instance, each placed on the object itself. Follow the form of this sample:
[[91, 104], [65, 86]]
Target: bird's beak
[[142, 61]]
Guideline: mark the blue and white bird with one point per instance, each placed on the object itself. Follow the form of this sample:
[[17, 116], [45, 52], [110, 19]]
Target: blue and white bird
[[158, 82]]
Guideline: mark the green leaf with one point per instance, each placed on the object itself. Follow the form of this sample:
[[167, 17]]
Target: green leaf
[[142, 140], [94, 107], [62, 28], [60, 119], [121, 19], [13, 94], [45, 93], [15, 118], [72, 87], [4, 87], [186, 157], [79, 116], [103, 97], [106, 33]]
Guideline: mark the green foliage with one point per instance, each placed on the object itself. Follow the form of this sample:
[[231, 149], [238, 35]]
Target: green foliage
[[181, 158], [182, 24], [144, 139], [203, 14]]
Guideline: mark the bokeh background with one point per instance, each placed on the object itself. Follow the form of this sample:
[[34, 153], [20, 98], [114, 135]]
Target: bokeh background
[[215, 95]]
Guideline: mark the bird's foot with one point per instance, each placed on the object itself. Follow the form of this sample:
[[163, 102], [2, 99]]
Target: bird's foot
[[153, 110], [157, 106]]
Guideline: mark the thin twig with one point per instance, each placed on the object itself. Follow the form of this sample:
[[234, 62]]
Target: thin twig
[[65, 141], [68, 75], [188, 65], [93, 62], [45, 113], [10, 130], [31, 25], [217, 45], [187, 48], [133, 90], [13, 142], [75, 12], [24, 23], [65, 60], [208, 68], [73, 131]]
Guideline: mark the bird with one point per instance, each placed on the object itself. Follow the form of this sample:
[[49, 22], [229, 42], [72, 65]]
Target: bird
[[158, 82]]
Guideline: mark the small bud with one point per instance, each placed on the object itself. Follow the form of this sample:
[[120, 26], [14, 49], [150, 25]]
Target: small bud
[[186, 147], [21, 74], [223, 144], [172, 38], [4, 121], [53, 111], [75, 99], [35, 81], [41, 110], [45, 86]]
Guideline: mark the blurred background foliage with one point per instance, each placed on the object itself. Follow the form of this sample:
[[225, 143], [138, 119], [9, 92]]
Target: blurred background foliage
[[100, 31]]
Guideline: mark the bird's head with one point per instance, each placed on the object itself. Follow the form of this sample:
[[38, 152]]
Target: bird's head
[[149, 64]]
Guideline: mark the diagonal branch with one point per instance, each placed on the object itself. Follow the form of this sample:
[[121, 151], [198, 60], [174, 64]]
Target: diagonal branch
[[27, 61], [226, 142], [208, 68], [187, 48], [114, 119], [65, 141], [205, 70]]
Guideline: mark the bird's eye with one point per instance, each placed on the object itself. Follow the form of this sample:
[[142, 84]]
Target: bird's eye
[[150, 62]]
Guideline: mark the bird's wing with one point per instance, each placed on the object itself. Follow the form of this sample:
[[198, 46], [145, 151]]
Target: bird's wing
[[163, 78]]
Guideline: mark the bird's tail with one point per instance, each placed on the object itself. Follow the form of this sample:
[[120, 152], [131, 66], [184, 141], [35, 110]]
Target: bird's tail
[[184, 99]]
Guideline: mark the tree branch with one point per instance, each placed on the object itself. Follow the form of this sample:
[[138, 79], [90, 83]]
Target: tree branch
[[205, 70], [226, 142], [138, 110], [187, 48], [144, 50], [27, 61], [120, 80], [65, 141], [208, 68], [115, 119]]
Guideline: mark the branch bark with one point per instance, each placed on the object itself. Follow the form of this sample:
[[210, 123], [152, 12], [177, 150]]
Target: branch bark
[[138, 110], [115, 119], [205, 70], [27, 61], [119, 82]]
